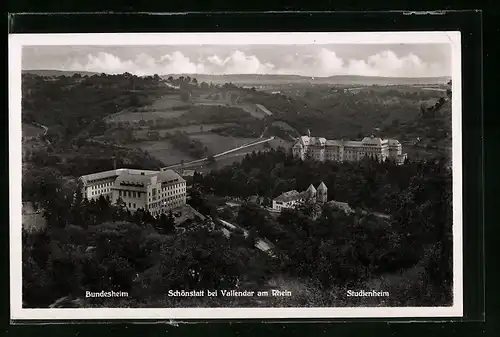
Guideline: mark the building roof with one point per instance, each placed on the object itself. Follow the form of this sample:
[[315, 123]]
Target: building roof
[[188, 173], [393, 142], [322, 187], [332, 142], [98, 175], [289, 196], [169, 176], [311, 189], [320, 141], [136, 171], [133, 179], [136, 177], [117, 172]]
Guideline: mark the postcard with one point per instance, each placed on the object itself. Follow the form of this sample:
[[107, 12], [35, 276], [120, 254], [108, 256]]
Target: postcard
[[235, 175]]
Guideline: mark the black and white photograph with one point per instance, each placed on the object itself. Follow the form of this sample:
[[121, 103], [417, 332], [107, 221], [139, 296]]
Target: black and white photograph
[[235, 175]]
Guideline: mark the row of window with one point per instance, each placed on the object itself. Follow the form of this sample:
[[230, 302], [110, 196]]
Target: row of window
[[169, 200], [131, 194], [99, 186], [101, 191], [159, 211], [174, 188], [167, 196]]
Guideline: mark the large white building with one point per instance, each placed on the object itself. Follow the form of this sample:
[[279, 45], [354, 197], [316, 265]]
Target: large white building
[[155, 191], [322, 149]]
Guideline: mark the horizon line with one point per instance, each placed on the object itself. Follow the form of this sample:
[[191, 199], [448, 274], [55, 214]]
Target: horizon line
[[237, 74]]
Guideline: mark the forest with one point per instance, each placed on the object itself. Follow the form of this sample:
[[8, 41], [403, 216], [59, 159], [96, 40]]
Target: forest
[[69, 104], [365, 184], [92, 245], [348, 250], [336, 113]]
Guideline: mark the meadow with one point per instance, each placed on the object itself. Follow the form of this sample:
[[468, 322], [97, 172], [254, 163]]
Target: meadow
[[162, 150], [167, 106], [167, 153], [217, 143]]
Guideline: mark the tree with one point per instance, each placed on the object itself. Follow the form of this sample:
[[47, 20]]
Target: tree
[[167, 223], [185, 95]]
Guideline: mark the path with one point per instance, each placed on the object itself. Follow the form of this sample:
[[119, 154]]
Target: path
[[264, 109], [252, 143], [46, 129]]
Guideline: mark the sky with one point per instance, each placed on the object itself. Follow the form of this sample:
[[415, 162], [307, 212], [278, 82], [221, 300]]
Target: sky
[[388, 60]]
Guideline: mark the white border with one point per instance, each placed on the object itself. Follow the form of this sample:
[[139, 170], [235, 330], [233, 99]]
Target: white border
[[16, 42]]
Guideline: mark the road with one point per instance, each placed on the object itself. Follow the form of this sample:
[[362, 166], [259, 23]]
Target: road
[[252, 143], [46, 129], [264, 109]]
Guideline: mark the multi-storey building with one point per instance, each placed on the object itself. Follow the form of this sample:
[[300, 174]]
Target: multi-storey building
[[155, 191], [321, 149], [292, 199]]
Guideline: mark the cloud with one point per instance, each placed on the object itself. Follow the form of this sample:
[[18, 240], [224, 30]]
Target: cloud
[[321, 62], [387, 63], [102, 62], [178, 63]]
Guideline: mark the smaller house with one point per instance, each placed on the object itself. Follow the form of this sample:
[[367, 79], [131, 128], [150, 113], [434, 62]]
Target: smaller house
[[288, 200], [292, 198]]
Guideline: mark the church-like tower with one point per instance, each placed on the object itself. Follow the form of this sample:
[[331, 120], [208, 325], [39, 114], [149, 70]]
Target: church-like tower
[[311, 193], [322, 193]]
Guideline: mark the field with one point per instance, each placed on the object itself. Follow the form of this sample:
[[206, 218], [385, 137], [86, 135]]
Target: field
[[163, 150], [237, 156], [252, 109], [30, 130], [190, 129], [165, 107], [217, 143], [285, 126], [169, 155]]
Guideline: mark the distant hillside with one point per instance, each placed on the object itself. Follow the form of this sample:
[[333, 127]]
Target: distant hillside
[[255, 79], [54, 72]]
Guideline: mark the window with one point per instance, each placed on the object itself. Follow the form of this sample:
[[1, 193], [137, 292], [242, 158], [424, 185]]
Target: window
[[129, 205], [134, 205]]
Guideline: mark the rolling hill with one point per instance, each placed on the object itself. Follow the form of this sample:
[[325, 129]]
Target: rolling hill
[[257, 79], [55, 72]]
